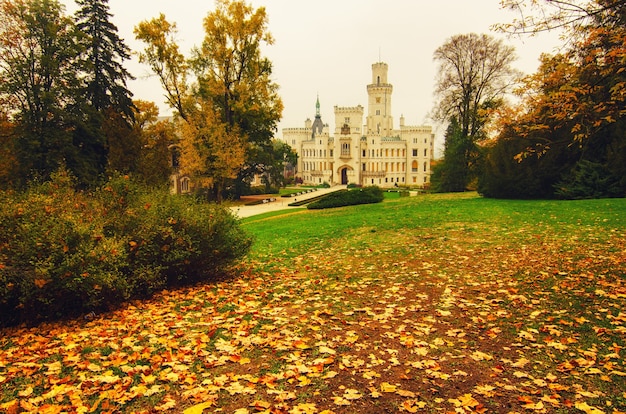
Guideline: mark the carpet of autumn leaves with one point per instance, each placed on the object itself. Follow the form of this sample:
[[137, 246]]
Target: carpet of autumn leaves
[[499, 315]]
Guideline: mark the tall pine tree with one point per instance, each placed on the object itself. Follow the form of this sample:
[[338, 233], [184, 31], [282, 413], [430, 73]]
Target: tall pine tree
[[106, 52], [109, 102]]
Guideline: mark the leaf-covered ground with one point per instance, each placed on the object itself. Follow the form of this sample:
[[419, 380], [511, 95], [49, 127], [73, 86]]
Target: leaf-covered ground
[[465, 317]]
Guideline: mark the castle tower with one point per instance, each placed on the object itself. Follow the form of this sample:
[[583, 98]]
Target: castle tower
[[318, 125], [379, 118]]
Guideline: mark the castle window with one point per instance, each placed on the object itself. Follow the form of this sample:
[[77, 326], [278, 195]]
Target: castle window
[[331, 153], [378, 112], [425, 166], [184, 185], [378, 99], [347, 120], [364, 153], [345, 149], [415, 153], [378, 80], [425, 152], [364, 166], [414, 166]]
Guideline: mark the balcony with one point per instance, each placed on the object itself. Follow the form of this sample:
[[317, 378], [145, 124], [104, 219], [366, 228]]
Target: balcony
[[373, 174]]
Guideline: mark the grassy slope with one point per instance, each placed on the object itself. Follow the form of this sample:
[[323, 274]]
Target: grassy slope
[[443, 303]]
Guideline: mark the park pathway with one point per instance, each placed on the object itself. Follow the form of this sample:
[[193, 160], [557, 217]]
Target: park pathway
[[281, 203]]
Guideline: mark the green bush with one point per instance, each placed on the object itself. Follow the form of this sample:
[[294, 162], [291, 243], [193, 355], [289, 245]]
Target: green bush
[[63, 252], [365, 195], [589, 180]]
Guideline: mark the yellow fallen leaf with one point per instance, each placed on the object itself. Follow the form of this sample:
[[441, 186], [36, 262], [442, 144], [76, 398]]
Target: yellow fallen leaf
[[168, 404], [551, 399], [387, 387], [351, 394], [481, 356], [304, 408], [405, 393], [485, 390], [25, 393], [468, 401], [327, 350], [520, 363], [583, 406], [340, 401], [303, 381], [198, 408]]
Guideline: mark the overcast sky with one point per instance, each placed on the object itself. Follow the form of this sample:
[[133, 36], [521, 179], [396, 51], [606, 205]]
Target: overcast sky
[[327, 47]]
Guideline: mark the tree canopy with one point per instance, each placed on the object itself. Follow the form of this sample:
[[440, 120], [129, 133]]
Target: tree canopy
[[475, 73], [64, 102], [570, 124], [231, 110]]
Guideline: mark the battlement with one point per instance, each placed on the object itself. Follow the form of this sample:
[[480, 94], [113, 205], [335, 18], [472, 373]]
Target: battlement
[[348, 109]]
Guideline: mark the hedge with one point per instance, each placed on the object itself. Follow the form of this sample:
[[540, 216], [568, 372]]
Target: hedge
[[65, 252], [365, 195]]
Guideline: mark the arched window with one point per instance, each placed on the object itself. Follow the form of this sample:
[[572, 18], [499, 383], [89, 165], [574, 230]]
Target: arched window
[[184, 185]]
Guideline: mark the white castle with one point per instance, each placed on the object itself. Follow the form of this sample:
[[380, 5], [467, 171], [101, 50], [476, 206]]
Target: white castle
[[373, 153]]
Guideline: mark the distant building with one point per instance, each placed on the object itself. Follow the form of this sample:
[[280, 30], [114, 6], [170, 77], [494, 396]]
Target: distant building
[[370, 153]]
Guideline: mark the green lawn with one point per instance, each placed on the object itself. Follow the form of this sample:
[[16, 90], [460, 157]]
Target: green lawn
[[435, 303]]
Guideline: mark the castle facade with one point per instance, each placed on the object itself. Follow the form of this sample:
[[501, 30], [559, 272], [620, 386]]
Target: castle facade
[[363, 153]]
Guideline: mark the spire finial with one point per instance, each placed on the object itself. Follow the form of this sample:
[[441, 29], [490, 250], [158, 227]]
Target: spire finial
[[317, 106]]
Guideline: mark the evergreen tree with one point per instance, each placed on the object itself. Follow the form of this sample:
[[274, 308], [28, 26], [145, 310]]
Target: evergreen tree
[[453, 174], [105, 53]]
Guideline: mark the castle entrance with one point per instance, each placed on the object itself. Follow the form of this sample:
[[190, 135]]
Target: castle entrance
[[344, 176]]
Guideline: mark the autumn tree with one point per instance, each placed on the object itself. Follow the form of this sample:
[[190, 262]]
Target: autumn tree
[[545, 15], [233, 105], [211, 152], [38, 59], [156, 136], [144, 152], [475, 74], [165, 59], [570, 126]]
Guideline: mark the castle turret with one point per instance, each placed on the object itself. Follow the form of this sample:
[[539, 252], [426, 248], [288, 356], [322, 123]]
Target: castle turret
[[379, 119]]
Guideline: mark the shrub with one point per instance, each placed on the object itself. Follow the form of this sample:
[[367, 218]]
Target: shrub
[[589, 180], [365, 195], [64, 252]]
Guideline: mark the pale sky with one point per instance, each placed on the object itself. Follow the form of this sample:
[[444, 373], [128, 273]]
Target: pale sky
[[327, 47]]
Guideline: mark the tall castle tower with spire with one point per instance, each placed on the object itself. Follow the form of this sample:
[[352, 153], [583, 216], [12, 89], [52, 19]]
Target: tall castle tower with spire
[[370, 153]]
